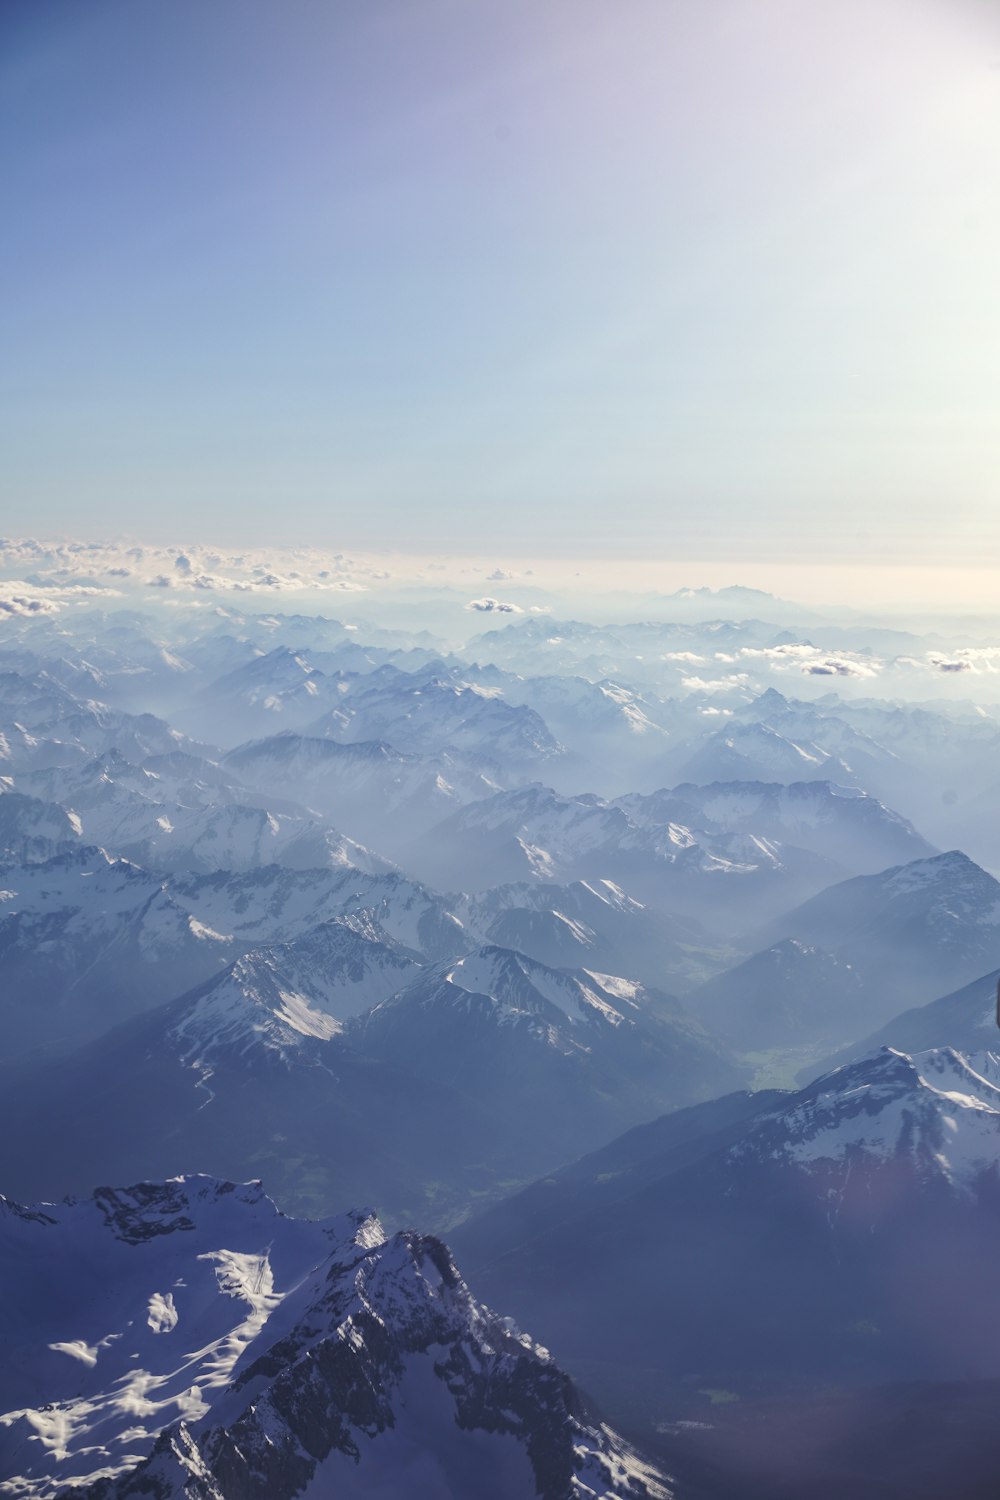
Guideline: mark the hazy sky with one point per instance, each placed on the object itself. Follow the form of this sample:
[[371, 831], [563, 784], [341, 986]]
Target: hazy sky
[[639, 278]]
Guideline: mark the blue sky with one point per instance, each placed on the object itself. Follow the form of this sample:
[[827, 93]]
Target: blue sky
[[651, 278]]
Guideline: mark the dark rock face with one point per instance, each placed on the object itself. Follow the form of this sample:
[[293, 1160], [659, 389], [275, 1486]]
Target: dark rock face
[[144, 1211]]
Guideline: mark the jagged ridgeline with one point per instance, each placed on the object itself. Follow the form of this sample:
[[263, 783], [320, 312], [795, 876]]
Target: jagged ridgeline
[[250, 1354]]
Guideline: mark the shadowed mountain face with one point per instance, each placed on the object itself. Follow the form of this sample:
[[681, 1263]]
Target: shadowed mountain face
[[843, 1234], [789, 995], [906, 932], [914, 1440]]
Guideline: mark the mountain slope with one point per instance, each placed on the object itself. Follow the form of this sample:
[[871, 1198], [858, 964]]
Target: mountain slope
[[274, 996], [965, 1020], [585, 924], [709, 875], [377, 795], [85, 941], [790, 995], [32, 830], [178, 812], [557, 1056], [838, 823], [756, 752], [910, 932]]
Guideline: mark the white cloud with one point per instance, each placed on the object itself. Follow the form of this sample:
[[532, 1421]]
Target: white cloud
[[494, 606], [716, 684], [27, 605], [65, 565], [976, 659], [834, 666], [811, 660], [23, 598]]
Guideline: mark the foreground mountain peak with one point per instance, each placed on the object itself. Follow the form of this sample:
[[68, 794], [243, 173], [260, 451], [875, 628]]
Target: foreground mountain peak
[[327, 1355]]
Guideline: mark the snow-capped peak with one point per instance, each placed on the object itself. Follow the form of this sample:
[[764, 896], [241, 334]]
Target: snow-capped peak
[[188, 1330], [937, 1112]]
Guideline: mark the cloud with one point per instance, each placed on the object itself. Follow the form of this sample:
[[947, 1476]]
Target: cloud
[[716, 684], [27, 599], [27, 606], [63, 565], [812, 661], [832, 666], [498, 576], [941, 665], [691, 657], [494, 606], [977, 659]]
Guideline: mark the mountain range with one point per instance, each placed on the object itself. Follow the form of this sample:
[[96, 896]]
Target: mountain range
[[310, 1060], [521, 937]]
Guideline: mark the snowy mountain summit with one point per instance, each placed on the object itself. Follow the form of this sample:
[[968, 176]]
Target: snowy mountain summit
[[936, 1114], [188, 1341]]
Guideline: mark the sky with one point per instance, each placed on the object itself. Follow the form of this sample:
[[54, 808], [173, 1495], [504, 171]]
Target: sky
[[617, 280]]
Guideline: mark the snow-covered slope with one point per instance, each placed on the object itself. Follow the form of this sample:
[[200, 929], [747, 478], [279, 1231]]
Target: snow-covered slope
[[179, 812], [756, 752], [842, 824], [435, 710], [873, 763], [532, 832], [703, 869], [585, 924], [275, 1356], [937, 1113], [86, 940], [276, 905], [128, 1311], [274, 997], [481, 1069]]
